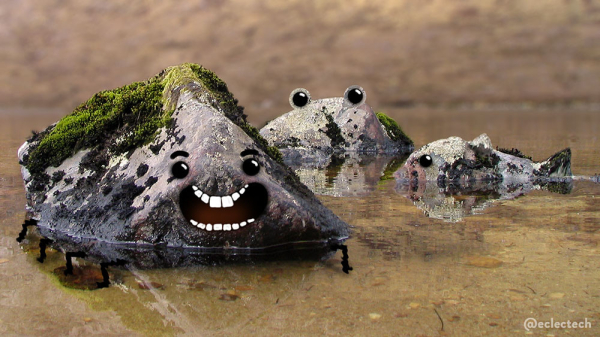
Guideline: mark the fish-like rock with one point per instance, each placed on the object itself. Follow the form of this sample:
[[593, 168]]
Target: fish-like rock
[[315, 130], [170, 161], [456, 161]]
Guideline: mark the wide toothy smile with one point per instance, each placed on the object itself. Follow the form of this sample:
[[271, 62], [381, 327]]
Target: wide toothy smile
[[223, 213]]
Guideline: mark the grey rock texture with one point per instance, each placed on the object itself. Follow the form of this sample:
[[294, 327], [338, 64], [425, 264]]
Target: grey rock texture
[[316, 129], [456, 161], [166, 192]]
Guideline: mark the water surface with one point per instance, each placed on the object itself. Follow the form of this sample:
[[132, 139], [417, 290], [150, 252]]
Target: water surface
[[535, 256]]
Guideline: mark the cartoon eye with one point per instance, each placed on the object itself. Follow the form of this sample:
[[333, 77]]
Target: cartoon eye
[[250, 167], [299, 98], [355, 95], [180, 170], [425, 160]]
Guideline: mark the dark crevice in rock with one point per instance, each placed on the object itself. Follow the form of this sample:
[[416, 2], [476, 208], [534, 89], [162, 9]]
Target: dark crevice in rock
[[141, 170]]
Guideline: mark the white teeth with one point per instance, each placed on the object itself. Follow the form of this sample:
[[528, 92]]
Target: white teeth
[[227, 201], [215, 202], [219, 227], [218, 202]]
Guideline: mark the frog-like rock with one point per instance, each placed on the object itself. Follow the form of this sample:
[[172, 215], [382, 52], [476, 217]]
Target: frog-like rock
[[317, 129], [170, 161]]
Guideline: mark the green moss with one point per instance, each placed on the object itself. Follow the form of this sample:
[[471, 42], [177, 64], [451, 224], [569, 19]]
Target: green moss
[[134, 112], [558, 163], [125, 118], [485, 158], [393, 129], [221, 98], [514, 152], [272, 151]]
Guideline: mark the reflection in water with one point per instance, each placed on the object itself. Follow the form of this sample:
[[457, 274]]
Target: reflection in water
[[189, 299], [349, 174], [537, 255], [137, 257], [453, 202]]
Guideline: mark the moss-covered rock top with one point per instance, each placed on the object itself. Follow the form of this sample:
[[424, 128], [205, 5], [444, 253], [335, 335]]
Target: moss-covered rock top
[[393, 129], [514, 152], [125, 118]]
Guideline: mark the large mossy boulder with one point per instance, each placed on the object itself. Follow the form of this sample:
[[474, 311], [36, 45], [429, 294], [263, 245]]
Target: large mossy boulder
[[169, 161]]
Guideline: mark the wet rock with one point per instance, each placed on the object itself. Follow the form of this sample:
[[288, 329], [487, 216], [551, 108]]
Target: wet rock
[[454, 160], [454, 318], [169, 162], [84, 277], [483, 262], [229, 296], [315, 130], [451, 178]]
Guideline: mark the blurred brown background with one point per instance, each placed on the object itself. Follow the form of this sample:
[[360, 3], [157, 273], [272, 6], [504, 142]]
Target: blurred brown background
[[57, 53]]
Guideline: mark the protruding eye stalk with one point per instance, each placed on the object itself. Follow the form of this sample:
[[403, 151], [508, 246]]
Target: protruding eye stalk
[[180, 170], [425, 160], [355, 95], [299, 98]]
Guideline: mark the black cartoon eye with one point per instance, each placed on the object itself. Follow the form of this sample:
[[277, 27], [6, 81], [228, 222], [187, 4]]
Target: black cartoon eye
[[355, 95], [299, 98], [425, 160], [180, 170], [250, 167]]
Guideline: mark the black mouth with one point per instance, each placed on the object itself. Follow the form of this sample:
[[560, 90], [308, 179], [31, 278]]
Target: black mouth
[[223, 213]]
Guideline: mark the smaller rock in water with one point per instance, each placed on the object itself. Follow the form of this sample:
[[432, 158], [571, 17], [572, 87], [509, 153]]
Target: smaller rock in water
[[314, 130], [455, 161]]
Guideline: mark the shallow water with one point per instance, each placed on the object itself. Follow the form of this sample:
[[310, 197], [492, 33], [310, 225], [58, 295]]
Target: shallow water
[[532, 257]]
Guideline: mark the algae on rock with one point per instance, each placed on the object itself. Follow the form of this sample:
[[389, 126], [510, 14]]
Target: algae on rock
[[122, 119]]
